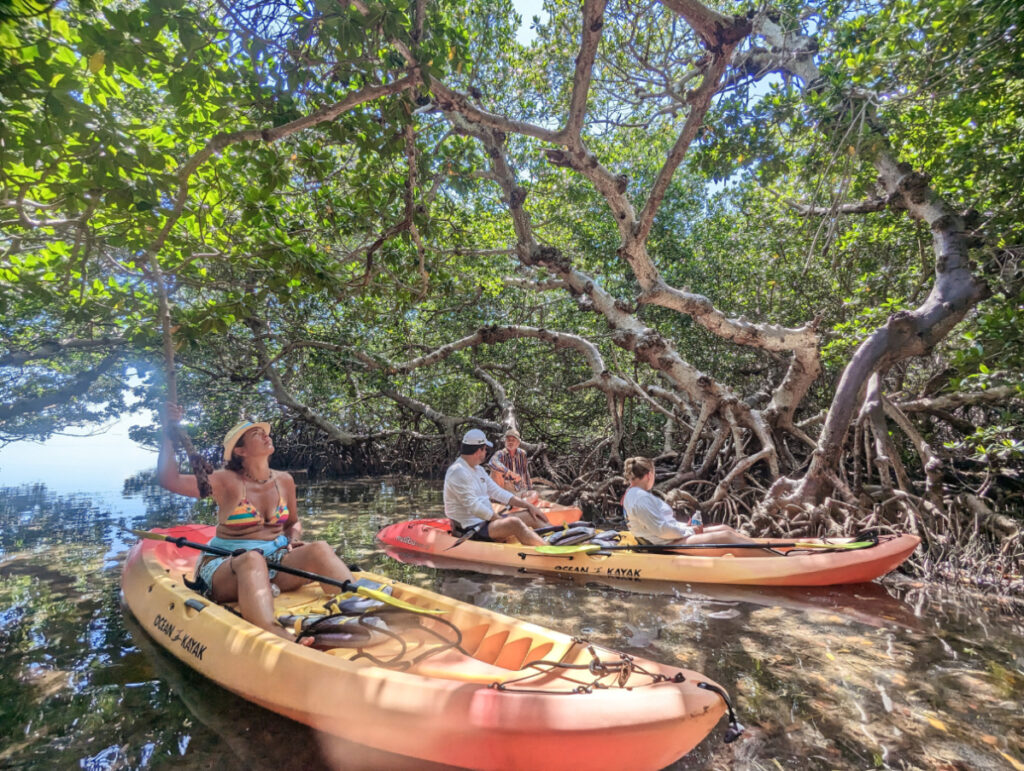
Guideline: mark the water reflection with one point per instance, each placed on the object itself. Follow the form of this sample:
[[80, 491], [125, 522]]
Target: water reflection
[[901, 675]]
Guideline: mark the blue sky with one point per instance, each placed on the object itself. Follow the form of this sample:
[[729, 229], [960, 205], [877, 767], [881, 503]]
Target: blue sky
[[528, 9], [88, 462]]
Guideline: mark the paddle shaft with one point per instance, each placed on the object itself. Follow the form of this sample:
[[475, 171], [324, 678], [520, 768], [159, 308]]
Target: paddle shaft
[[555, 528], [345, 586], [789, 545], [673, 547]]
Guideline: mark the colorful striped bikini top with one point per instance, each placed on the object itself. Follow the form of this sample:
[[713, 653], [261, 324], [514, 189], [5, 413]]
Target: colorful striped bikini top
[[246, 514]]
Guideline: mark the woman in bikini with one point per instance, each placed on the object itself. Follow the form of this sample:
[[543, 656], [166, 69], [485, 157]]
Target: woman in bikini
[[256, 511]]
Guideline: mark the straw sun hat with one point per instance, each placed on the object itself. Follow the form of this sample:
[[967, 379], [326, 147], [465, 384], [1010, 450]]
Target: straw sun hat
[[231, 437]]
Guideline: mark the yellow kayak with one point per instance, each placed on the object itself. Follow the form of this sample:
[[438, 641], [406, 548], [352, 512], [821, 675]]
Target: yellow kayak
[[466, 687]]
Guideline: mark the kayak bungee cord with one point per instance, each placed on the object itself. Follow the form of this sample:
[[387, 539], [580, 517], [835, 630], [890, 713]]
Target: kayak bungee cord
[[736, 728], [601, 669], [470, 531], [623, 669]]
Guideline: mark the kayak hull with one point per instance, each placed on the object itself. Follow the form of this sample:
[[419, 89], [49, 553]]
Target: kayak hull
[[442, 709], [803, 568]]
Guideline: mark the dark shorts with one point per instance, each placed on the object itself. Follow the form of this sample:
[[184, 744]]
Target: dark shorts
[[480, 532]]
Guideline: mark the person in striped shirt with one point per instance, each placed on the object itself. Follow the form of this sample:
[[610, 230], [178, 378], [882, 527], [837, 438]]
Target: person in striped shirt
[[510, 467]]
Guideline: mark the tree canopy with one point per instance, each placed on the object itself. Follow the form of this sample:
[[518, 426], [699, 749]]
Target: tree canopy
[[777, 247]]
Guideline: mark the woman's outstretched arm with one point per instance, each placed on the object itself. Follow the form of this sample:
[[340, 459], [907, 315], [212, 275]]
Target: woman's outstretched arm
[[167, 473]]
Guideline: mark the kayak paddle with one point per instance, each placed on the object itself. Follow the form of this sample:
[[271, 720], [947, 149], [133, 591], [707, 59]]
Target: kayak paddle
[[345, 586], [588, 548]]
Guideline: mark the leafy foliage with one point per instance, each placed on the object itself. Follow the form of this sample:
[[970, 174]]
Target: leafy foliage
[[325, 253]]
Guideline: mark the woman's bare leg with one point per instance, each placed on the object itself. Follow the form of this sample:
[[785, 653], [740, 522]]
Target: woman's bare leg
[[721, 534], [316, 557], [245, 578]]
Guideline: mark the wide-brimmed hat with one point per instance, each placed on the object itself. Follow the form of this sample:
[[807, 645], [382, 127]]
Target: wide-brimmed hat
[[237, 431], [476, 438], [513, 432]]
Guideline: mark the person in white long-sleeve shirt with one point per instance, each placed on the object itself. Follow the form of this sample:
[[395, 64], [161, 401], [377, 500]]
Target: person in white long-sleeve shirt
[[652, 521], [468, 492]]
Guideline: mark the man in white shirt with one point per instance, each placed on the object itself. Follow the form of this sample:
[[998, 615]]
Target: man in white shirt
[[468, 492]]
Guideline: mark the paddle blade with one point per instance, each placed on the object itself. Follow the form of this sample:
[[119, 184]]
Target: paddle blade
[[147, 534], [387, 599], [462, 539], [579, 548], [851, 545]]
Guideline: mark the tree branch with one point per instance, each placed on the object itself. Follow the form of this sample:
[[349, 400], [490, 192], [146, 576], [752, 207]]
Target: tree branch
[[995, 395], [268, 136], [930, 462], [907, 333], [76, 387], [713, 27], [47, 349], [286, 398], [860, 207], [593, 11]]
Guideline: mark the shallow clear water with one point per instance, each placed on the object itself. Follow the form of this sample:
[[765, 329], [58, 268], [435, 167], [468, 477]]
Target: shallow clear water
[[900, 675]]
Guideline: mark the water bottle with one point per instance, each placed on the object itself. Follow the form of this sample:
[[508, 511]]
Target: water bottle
[[697, 522]]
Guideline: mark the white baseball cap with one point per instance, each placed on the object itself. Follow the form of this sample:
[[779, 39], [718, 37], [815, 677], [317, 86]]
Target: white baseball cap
[[475, 437]]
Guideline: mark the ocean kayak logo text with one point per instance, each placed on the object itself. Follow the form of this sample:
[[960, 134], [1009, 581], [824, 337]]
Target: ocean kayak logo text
[[188, 643], [631, 574]]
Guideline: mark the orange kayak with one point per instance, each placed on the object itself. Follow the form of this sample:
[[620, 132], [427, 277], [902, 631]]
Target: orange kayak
[[556, 513], [867, 603], [468, 687], [813, 565]]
